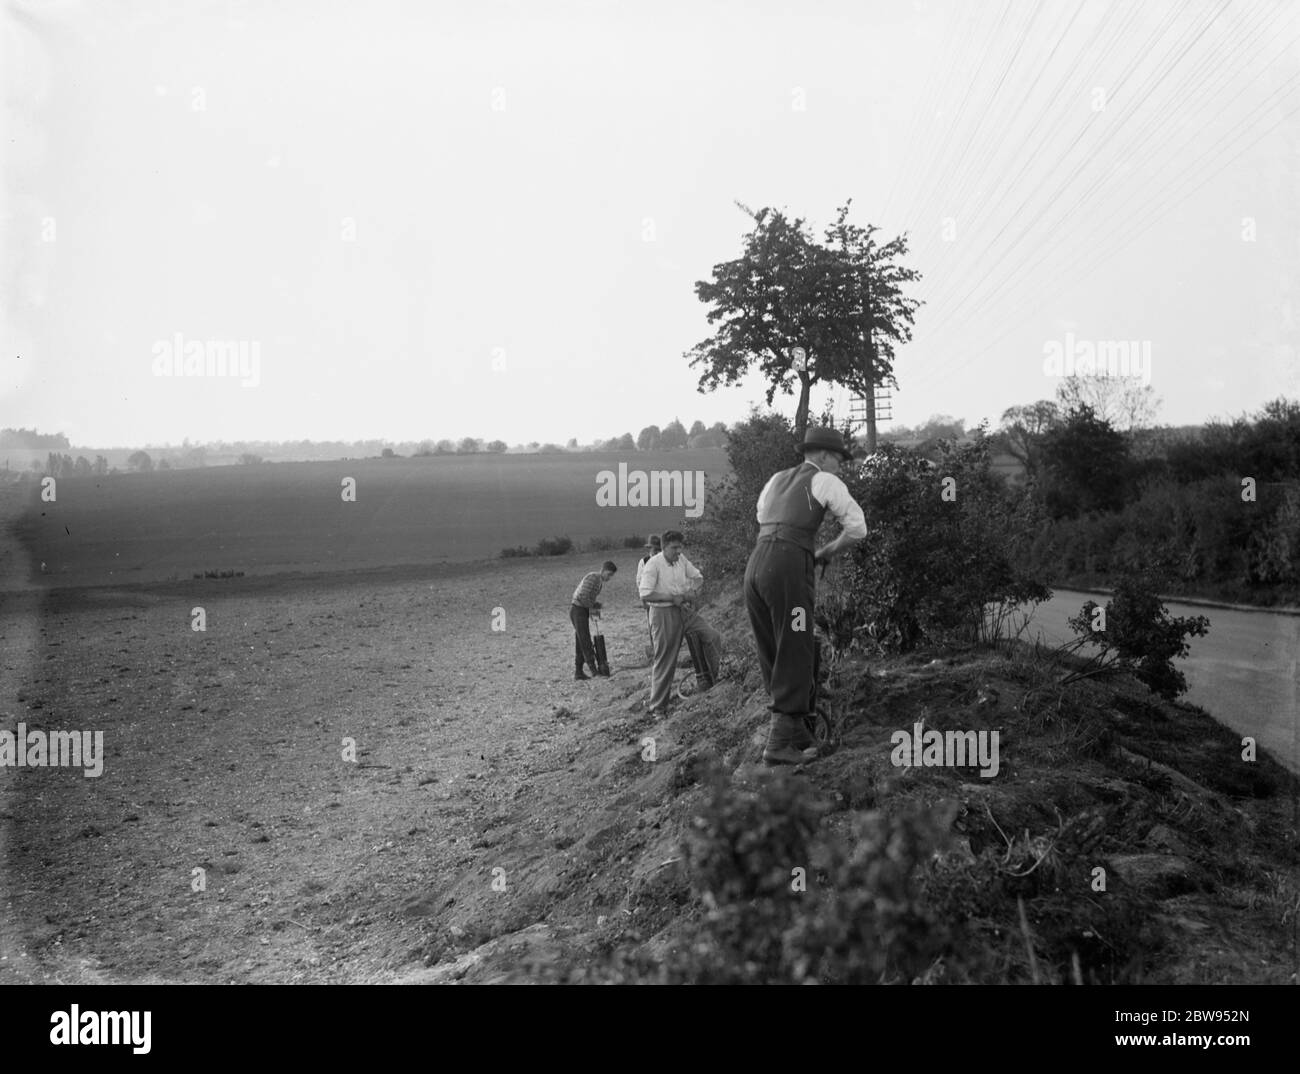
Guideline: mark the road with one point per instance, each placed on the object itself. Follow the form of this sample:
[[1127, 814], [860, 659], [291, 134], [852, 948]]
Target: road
[[1242, 672]]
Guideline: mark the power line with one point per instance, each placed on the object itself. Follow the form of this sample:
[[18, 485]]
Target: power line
[[1139, 193]]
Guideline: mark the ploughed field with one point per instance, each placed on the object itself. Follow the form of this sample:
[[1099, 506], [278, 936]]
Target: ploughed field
[[295, 793], [293, 516]]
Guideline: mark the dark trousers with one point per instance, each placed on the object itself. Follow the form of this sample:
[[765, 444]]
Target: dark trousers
[[583, 648], [779, 582]]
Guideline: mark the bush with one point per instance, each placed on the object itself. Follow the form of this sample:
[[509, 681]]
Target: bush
[[1138, 634], [518, 552], [633, 541], [930, 565], [602, 544], [785, 907], [553, 546]]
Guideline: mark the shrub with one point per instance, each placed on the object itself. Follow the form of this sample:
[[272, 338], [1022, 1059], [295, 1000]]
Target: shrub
[[601, 544], [518, 552], [553, 546], [633, 541], [853, 916], [1138, 634], [930, 565]]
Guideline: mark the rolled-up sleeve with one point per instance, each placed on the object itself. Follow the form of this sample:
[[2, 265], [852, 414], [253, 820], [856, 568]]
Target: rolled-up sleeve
[[831, 491]]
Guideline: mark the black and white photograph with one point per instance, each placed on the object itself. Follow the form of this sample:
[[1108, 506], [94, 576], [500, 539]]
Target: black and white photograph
[[702, 493]]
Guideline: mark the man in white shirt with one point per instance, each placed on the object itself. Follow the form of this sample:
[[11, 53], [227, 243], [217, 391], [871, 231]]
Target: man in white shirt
[[668, 585], [780, 587]]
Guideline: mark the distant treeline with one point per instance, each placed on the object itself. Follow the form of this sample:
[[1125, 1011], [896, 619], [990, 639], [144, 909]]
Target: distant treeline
[[651, 438], [31, 439]]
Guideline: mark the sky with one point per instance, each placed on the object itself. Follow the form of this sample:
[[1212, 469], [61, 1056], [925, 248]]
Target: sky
[[434, 219]]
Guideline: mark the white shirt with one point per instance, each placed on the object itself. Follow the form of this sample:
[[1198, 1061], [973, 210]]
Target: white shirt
[[672, 578], [829, 491]]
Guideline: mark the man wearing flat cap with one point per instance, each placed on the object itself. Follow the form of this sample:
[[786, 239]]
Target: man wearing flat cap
[[780, 583]]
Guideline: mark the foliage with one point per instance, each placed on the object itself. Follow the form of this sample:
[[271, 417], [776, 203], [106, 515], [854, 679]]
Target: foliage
[[140, 460], [673, 436], [554, 546], [784, 907], [648, 438], [1087, 466], [1137, 634], [931, 563], [840, 300]]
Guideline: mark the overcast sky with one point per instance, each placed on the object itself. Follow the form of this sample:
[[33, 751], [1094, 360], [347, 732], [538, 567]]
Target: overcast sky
[[445, 219]]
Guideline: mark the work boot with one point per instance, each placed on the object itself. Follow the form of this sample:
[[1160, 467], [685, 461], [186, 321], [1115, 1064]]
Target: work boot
[[781, 738], [801, 736]]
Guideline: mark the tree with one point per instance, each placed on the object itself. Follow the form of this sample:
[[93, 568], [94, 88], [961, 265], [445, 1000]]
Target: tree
[[101, 466], [1087, 465], [163, 464], [674, 436], [572, 445], [1023, 428], [140, 460], [1124, 402], [444, 447], [697, 428], [82, 466], [840, 301], [469, 446], [495, 447], [648, 440], [249, 459]]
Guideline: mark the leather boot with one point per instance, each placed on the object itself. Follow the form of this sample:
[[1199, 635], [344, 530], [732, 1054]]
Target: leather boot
[[780, 748], [801, 736]]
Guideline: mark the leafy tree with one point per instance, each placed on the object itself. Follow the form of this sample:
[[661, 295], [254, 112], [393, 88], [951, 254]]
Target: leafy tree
[[841, 301], [469, 446], [163, 464], [495, 447], [1087, 466], [625, 443], [140, 460], [551, 449], [82, 466], [1023, 428], [444, 447], [648, 440], [249, 459], [697, 428], [674, 436], [101, 466]]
